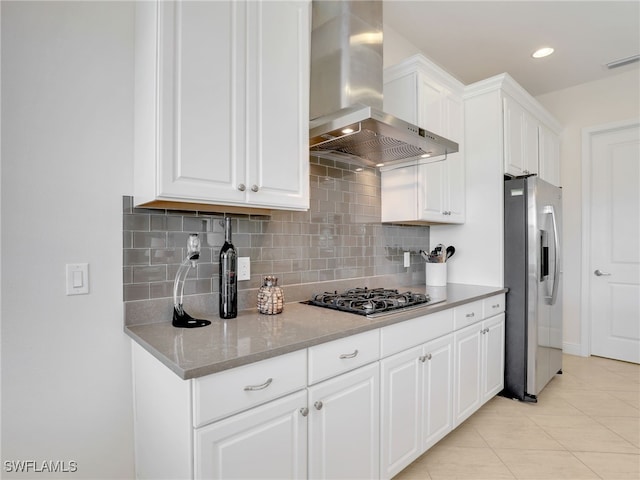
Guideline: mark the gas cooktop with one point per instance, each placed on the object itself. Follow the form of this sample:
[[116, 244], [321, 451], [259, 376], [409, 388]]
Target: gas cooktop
[[372, 302]]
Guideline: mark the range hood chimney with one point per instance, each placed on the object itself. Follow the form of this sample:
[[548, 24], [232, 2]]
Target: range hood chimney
[[347, 121]]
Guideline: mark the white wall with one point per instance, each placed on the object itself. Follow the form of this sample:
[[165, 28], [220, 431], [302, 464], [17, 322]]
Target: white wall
[[590, 104], [395, 47], [67, 146]]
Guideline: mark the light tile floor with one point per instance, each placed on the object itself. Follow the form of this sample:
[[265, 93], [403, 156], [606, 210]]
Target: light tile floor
[[585, 425]]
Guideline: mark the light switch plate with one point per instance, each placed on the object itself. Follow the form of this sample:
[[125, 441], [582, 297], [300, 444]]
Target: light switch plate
[[77, 278], [244, 268]]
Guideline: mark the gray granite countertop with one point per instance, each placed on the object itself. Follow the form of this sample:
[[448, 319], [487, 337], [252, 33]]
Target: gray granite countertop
[[251, 337]]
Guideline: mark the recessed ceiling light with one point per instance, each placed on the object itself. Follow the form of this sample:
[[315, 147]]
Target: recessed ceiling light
[[379, 164], [347, 130], [542, 52]]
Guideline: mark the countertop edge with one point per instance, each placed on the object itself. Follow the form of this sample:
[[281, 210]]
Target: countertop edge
[[219, 366]]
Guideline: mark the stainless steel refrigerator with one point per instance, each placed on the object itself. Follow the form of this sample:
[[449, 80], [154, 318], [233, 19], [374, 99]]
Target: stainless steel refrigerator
[[533, 266]]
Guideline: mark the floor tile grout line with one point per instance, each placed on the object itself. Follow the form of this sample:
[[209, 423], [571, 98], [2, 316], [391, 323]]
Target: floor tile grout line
[[587, 466]]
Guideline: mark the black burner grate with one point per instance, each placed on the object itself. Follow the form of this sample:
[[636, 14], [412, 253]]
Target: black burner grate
[[365, 301]]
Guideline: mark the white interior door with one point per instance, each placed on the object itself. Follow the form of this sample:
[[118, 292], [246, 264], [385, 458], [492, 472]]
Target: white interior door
[[614, 253]]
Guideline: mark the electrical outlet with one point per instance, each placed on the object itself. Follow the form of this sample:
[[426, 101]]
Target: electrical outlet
[[407, 259], [244, 268]]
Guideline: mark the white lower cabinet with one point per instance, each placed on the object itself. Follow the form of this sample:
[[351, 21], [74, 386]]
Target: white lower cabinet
[[344, 425], [416, 401], [492, 357], [269, 441], [360, 407], [468, 348], [330, 430], [479, 366]]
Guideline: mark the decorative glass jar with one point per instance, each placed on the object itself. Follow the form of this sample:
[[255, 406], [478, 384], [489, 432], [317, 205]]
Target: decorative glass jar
[[270, 297]]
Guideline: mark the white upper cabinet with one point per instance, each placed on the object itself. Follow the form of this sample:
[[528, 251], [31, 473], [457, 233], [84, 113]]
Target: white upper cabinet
[[222, 94], [549, 155], [520, 140], [419, 92], [530, 146]]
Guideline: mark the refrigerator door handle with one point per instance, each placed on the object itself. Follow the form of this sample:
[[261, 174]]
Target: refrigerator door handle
[[556, 253]]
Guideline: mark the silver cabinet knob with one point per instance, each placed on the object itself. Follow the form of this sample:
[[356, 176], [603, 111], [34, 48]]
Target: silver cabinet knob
[[424, 358], [254, 188], [304, 411], [600, 273], [318, 405], [470, 315], [242, 187]]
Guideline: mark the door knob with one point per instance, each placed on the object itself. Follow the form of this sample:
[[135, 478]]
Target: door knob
[[599, 273]]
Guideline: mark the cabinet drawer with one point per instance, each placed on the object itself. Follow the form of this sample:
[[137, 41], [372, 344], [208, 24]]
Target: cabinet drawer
[[467, 314], [333, 358], [401, 336], [493, 305], [222, 394]]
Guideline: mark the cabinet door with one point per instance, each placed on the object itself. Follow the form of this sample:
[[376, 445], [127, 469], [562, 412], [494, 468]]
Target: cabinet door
[[344, 418], [278, 103], [468, 368], [431, 191], [513, 138], [530, 144], [400, 97], [549, 152], [402, 409], [437, 390], [269, 441], [200, 86], [432, 106], [455, 189], [493, 356], [399, 194], [520, 140]]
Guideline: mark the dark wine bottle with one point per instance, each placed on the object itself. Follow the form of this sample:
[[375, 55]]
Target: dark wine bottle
[[228, 278]]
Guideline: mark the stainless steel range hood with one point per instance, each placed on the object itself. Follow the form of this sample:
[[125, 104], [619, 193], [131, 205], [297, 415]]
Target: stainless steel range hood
[[347, 121]]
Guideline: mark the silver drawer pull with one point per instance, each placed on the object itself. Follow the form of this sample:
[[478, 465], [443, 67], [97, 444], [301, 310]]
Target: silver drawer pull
[[470, 315], [252, 388], [349, 355], [424, 358], [497, 305]]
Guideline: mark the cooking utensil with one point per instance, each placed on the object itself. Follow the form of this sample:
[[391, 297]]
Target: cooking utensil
[[450, 251], [438, 254]]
